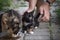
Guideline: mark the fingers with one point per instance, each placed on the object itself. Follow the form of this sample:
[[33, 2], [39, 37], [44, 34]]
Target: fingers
[[45, 19], [41, 9], [47, 13]]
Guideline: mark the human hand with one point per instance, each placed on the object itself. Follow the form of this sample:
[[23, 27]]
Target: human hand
[[44, 9]]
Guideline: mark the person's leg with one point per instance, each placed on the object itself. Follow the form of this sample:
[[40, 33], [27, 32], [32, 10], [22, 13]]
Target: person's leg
[[32, 4], [42, 12], [44, 8]]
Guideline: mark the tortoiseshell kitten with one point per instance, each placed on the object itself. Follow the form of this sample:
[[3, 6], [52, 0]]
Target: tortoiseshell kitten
[[10, 22]]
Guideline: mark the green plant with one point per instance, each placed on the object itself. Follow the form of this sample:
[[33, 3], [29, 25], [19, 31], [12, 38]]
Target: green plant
[[4, 3], [58, 15]]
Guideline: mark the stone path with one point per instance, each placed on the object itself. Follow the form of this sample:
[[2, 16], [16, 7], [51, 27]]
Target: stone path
[[43, 33]]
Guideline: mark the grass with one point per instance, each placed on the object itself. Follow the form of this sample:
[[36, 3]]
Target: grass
[[4, 3]]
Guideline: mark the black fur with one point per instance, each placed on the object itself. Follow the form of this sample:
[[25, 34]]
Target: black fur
[[27, 21]]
